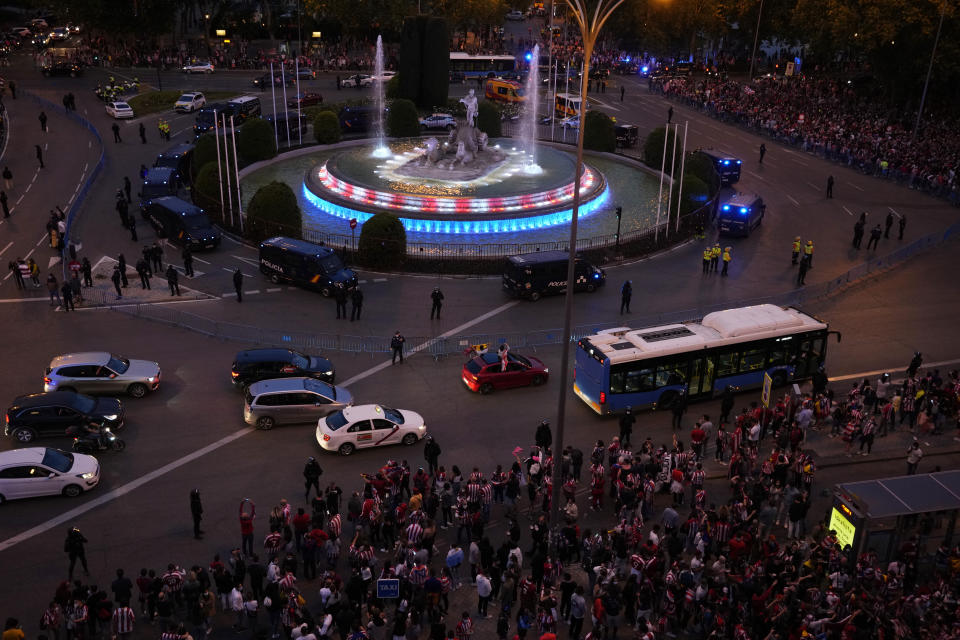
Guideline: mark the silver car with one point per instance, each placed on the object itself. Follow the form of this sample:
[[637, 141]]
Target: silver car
[[101, 372], [291, 400]]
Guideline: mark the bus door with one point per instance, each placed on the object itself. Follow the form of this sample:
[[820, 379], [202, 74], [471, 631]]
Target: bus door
[[702, 370], [810, 353]]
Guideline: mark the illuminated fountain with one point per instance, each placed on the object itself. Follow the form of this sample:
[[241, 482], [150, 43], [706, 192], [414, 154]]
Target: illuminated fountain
[[381, 150], [528, 128]]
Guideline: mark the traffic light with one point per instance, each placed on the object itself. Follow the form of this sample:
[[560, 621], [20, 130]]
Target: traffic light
[[619, 212]]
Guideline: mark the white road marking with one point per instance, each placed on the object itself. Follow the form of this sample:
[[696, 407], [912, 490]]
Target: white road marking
[[42, 239], [850, 213], [792, 199], [426, 345], [53, 260], [31, 184], [855, 186], [892, 210], [365, 282], [250, 261], [813, 186], [27, 257], [867, 374], [798, 161], [9, 244], [205, 262], [227, 295], [90, 144], [232, 270], [251, 292], [274, 289], [87, 164], [45, 148], [21, 198], [758, 177], [379, 279], [122, 490]]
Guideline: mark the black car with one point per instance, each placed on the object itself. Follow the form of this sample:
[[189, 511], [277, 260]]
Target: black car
[[254, 365], [51, 414], [627, 135], [264, 81], [62, 68]]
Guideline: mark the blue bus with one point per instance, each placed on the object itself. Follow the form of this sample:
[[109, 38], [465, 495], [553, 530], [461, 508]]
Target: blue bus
[[654, 367], [472, 66]]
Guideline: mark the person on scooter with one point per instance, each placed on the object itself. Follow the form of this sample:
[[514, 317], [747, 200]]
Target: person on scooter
[[97, 429]]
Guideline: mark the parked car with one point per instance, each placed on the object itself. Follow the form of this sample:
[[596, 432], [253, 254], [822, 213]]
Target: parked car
[[515, 15], [198, 67], [386, 76], [44, 471], [308, 99], [438, 121], [119, 110], [573, 122], [51, 414], [254, 365], [486, 372], [264, 81], [189, 102], [357, 80], [101, 372], [22, 32], [61, 68], [369, 425], [291, 400]]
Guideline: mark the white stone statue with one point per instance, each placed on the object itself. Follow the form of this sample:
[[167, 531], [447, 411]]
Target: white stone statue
[[470, 102]]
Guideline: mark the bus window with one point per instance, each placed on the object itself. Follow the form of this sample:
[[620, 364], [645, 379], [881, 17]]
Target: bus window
[[752, 360], [639, 380], [727, 364], [776, 357], [670, 374]]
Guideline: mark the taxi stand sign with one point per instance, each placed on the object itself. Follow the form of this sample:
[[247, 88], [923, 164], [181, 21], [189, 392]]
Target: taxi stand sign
[[847, 521], [765, 395], [388, 588]]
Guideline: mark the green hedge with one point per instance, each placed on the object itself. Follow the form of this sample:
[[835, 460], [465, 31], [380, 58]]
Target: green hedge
[[273, 211], [701, 166], [205, 151], [383, 242], [653, 149], [488, 119], [206, 189], [696, 192], [256, 140], [326, 127], [598, 133], [402, 119]]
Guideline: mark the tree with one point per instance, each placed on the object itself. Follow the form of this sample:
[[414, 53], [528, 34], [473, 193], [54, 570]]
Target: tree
[[402, 119], [206, 190], [424, 61], [205, 150], [599, 134], [653, 149], [383, 242], [256, 140], [488, 119], [326, 127], [273, 211], [695, 194], [702, 167], [411, 52]]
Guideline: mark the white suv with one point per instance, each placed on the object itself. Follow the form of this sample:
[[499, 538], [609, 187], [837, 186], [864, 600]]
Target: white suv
[[189, 102], [438, 121]]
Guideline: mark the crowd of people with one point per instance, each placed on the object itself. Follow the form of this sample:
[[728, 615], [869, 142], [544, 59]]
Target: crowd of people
[[642, 550], [827, 116]]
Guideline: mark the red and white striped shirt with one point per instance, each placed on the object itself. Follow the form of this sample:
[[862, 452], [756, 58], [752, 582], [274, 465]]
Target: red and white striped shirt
[[334, 526], [273, 542], [174, 579], [123, 619], [414, 533], [697, 478], [418, 575], [288, 581], [464, 629]]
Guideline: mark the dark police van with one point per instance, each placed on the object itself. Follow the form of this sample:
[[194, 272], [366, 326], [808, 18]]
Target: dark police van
[[304, 263], [159, 182], [206, 117], [727, 166], [182, 223], [531, 275], [287, 124], [358, 119], [177, 158], [740, 215], [240, 109]]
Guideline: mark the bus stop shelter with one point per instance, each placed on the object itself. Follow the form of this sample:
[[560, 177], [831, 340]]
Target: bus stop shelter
[[880, 513]]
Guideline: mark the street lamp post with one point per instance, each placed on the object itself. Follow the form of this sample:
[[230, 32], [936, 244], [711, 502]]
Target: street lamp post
[[590, 27], [756, 37], [926, 83]]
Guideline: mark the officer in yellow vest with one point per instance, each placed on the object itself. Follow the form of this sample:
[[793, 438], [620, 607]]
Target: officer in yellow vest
[[707, 255], [796, 249], [808, 254], [726, 260], [715, 256]]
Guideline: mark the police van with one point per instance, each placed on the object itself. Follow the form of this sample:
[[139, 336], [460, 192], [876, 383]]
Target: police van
[[532, 275], [182, 223], [177, 158], [157, 183], [727, 165], [243, 108], [740, 215], [305, 264]]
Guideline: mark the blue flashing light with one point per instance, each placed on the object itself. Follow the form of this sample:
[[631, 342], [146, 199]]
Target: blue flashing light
[[596, 276], [743, 210], [628, 59], [464, 226], [528, 56], [645, 68], [726, 207], [726, 162], [739, 162]]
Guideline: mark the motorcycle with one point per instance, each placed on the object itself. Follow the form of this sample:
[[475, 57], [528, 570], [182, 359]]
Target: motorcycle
[[87, 442]]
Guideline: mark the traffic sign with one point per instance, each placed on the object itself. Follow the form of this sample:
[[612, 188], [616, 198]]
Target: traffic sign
[[767, 384], [353, 223], [388, 588]]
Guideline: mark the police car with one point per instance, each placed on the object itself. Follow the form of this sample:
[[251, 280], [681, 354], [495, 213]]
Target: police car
[[369, 425]]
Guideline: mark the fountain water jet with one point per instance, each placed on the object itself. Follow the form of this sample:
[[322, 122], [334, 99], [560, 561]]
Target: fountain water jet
[[528, 128], [381, 150]]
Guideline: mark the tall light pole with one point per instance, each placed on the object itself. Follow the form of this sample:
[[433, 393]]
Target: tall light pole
[[926, 83], [590, 26], [756, 37]]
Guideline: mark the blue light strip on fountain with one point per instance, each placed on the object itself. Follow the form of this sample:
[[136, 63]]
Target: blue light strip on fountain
[[504, 225]]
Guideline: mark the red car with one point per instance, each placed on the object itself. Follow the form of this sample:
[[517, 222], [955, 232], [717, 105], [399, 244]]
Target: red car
[[485, 373], [305, 100]]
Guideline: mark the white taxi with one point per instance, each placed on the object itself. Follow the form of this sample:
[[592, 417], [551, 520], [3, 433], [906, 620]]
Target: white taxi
[[44, 471], [119, 110], [369, 425]]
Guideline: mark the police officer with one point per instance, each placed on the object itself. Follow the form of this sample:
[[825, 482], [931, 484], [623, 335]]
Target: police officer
[[115, 278], [707, 253], [715, 257], [626, 292], [75, 550], [626, 426], [340, 296], [238, 284], [142, 270], [887, 224], [132, 225], [796, 250], [173, 279], [196, 511], [437, 296], [122, 267], [187, 256], [802, 274], [726, 260], [311, 476], [396, 345], [808, 254], [356, 304]]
